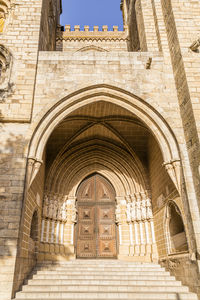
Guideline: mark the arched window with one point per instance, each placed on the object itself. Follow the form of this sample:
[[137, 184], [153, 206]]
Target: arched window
[[34, 227], [176, 236]]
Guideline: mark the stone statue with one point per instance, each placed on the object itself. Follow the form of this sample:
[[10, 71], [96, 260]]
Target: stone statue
[[74, 214], [117, 213], [55, 208], [46, 206], [51, 209], [138, 211], [64, 212], [149, 209], [128, 212], [133, 211], [143, 210]]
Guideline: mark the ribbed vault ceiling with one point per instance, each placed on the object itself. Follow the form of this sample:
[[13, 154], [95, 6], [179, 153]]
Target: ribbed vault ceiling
[[100, 136], [103, 121]]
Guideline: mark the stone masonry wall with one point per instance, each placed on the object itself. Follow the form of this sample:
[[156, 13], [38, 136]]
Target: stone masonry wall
[[12, 178], [26, 259], [170, 86], [20, 37]]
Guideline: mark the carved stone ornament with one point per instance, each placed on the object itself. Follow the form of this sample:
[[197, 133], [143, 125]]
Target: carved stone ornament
[[139, 210], [128, 212], [118, 214], [74, 214], [195, 45], [55, 208], [33, 169], [174, 170]]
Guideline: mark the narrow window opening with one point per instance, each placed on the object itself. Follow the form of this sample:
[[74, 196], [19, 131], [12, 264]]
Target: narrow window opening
[[33, 235]]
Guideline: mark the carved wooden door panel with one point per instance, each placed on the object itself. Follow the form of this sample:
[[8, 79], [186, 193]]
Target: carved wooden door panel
[[86, 246], [96, 229]]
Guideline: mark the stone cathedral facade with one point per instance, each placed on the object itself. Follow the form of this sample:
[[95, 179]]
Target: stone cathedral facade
[[99, 138]]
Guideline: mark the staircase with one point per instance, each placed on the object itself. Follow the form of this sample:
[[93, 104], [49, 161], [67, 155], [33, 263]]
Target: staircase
[[103, 279]]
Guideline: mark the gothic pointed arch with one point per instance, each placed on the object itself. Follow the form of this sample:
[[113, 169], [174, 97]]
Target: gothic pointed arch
[[175, 229], [109, 94]]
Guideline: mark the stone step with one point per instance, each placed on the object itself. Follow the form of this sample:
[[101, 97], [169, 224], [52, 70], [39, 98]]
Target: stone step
[[39, 277], [110, 280], [94, 262], [104, 296], [97, 272], [103, 288], [103, 281], [101, 268], [104, 265]]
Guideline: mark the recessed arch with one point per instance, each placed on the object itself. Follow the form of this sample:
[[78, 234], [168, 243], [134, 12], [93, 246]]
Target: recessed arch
[[91, 48], [145, 112], [118, 160], [175, 229], [131, 103]]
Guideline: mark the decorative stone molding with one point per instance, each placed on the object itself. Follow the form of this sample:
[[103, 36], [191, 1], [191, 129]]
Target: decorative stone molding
[[33, 169], [173, 168], [97, 35], [195, 45], [140, 210], [55, 208], [92, 48]]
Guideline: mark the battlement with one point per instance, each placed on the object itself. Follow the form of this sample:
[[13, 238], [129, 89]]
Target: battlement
[[95, 34]]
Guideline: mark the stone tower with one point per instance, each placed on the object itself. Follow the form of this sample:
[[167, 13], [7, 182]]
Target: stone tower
[[99, 138]]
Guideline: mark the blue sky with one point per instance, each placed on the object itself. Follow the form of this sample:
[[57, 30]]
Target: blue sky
[[92, 12]]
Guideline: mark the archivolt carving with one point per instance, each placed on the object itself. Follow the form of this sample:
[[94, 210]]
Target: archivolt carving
[[128, 177], [106, 93], [111, 94]]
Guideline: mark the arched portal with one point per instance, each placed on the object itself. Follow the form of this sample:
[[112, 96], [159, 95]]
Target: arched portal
[[106, 130], [96, 228]]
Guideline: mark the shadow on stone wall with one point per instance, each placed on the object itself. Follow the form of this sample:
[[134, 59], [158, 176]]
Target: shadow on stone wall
[[12, 176]]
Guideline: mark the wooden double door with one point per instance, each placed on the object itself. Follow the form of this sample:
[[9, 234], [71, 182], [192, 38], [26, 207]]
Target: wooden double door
[[96, 228]]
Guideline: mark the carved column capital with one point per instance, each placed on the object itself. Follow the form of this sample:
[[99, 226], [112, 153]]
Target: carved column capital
[[173, 168], [34, 165]]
